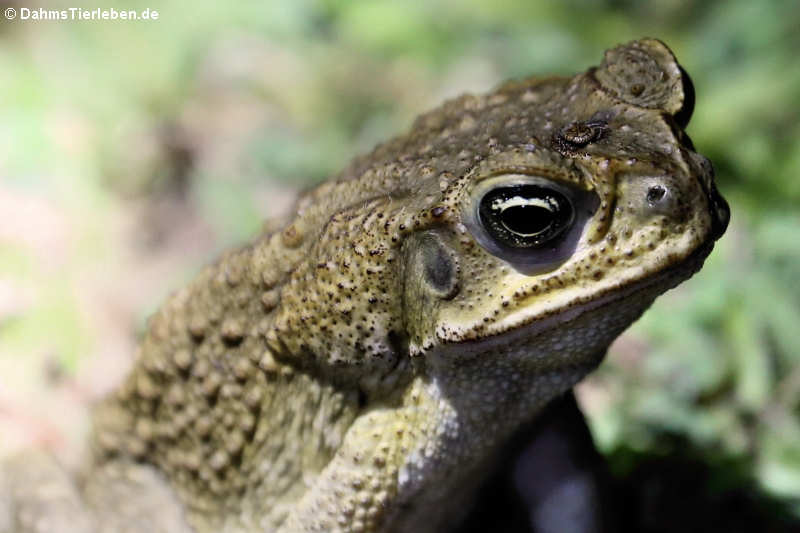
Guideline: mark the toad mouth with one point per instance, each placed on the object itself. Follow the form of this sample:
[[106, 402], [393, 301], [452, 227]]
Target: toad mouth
[[668, 278]]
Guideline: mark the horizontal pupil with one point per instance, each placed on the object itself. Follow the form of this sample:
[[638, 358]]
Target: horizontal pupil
[[527, 220], [525, 216]]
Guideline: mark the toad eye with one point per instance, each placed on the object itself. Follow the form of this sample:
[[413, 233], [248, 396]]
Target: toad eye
[[532, 222], [525, 215]]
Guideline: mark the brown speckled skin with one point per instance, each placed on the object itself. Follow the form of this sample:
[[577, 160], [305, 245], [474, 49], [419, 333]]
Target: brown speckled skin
[[356, 369]]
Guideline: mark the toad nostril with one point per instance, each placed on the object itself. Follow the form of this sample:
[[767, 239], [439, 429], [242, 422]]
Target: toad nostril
[[655, 194]]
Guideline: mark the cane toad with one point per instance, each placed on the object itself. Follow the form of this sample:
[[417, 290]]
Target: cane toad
[[357, 368]]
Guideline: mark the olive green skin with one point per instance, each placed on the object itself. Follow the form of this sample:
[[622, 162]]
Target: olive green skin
[[357, 368]]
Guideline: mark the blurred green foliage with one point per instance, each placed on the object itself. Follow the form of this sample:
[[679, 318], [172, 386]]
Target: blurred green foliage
[[259, 95]]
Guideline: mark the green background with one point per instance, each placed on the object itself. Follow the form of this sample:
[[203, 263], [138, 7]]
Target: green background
[[133, 152]]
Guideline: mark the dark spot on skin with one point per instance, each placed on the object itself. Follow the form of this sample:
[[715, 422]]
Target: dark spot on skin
[[637, 89], [362, 399], [232, 340]]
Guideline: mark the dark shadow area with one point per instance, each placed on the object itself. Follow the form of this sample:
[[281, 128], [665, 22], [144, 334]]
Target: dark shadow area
[[683, 488], [551, 479], [690, 489]]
